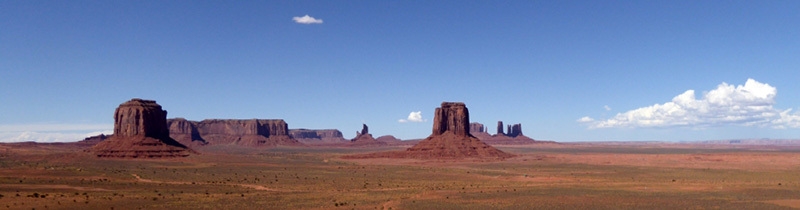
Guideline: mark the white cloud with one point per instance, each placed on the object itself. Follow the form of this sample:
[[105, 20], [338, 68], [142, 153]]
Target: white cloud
[[750, 104], [307, 20], [607, 108], [585, 120], [52, 132], [413, 117], [48, 136]]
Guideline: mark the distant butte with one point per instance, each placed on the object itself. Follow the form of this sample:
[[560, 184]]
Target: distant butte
[[513, 136], [140, 131], [364, 138], [450, 139], [318, 137]]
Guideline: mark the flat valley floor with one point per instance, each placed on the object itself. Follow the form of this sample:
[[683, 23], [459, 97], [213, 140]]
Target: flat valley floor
[[556, 176]]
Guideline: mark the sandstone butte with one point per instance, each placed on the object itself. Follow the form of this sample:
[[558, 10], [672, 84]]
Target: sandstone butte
[[450, 139], [513, 136], [140, 131], [249, 132]]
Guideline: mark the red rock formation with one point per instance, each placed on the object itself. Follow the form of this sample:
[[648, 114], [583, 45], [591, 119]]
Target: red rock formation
[[253, 132], [140, 117], [364, 129], [479, 131], [450, 139], [388, 139], [514, 130], [140, 131], [324, 136], [453, 117], [513, 136], [476, 128], [185, 132], [243, 127], [93, 140], [500, 128], [364, 138]]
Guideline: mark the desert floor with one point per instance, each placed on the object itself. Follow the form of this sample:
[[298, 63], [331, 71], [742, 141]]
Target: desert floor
[[564, 176]]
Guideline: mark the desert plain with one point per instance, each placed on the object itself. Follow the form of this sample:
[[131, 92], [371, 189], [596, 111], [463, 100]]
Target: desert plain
[[540, 176]]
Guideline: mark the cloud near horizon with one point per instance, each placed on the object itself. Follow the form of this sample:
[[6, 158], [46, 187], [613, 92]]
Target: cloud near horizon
[[307, 20], [750, 104], [7, 137], [52, 132], [413, 117]]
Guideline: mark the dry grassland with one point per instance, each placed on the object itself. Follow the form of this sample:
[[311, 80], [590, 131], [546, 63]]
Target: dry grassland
[[548, 177]]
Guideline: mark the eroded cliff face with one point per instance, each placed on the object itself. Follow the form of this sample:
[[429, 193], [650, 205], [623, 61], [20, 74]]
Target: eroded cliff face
[[315, 134], [140, 131], [250, 132], [185, 132], [453, 117], [323, 136], [476, 128], [260, 127], [140, 117], [514, 130], [500, 128]]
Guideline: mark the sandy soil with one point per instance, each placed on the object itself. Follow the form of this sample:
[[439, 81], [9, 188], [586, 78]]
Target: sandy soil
[[540, 176]]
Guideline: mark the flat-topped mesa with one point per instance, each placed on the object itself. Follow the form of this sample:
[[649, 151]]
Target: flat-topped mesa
[[453, 117], [321, 136], [185, 132], [263, 127], [140, 117], [315, 134], [477, 128], [140, 131], [246, 132]]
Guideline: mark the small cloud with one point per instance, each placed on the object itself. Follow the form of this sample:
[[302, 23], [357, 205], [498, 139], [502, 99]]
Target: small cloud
[[413, 117], [607, 108], [585, 119], [307, 20]]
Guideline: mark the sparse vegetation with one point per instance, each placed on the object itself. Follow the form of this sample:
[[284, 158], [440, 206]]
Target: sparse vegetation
[[285, 178]]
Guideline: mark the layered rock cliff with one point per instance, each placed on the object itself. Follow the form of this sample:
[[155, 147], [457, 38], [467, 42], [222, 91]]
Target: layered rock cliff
[[453, 117], [476, 128], [185, 132], [323, 136], [140, 131], [251, 132], [514, 130]]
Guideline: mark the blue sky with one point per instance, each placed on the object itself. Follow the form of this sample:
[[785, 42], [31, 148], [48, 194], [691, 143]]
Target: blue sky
[[566, 70]]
